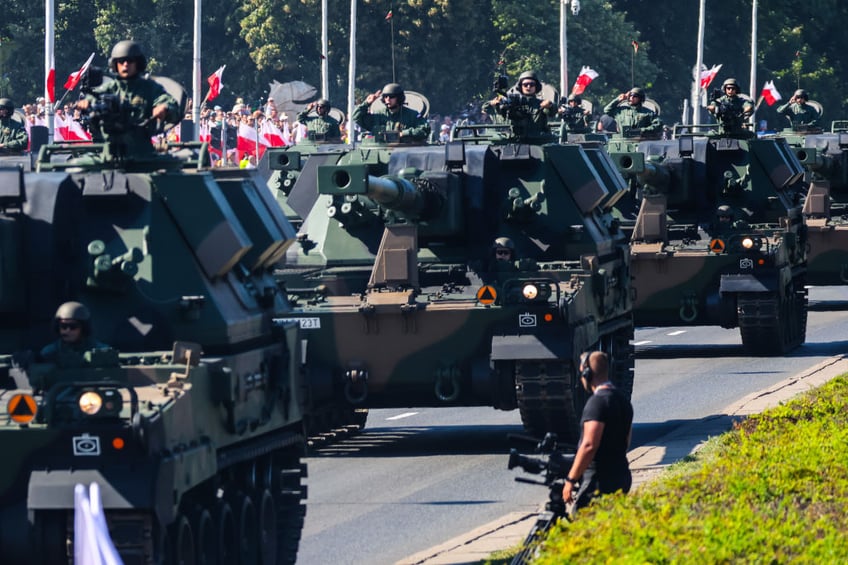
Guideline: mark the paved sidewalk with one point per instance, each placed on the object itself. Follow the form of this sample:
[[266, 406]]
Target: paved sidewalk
[[646, 463]]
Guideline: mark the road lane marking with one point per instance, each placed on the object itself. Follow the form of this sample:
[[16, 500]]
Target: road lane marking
[[402, 416]]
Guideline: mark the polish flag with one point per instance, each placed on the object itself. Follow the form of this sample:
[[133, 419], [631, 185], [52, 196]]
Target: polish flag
[[272, 134], [74, 78], [770, 93], [287, 135], [76, 132], [204, 133], [586, 76], [215, 83], [51, 85], [707, 75], [248, 142]]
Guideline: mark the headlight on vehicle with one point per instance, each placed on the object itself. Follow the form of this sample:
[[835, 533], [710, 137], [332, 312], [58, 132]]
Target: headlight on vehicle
[[748, 243], [530, 291], [90, 402]]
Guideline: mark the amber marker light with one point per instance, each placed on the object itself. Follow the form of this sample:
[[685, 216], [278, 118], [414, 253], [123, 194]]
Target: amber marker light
[[761, 261], [549, 317], [118, 443]]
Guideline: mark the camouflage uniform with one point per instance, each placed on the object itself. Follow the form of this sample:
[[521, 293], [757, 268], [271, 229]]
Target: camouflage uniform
[[731, 114], [528, 118], [143, 95], [69, 354], [321, 127], [405, 120], [630, 117], [13, 136], [801, 115]]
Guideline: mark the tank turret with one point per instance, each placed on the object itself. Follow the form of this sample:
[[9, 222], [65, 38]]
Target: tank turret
[[719, 237]]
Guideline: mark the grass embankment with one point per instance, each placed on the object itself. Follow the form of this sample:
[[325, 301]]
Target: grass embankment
[[773, 490]]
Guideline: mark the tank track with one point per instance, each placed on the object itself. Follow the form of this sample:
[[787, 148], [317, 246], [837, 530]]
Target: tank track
[[330, 423], [546, 395], [771, 325], [254, 505], [549, 397]]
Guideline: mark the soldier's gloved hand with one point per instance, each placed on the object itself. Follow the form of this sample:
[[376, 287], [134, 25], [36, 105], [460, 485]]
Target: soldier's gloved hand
[[159, 112]]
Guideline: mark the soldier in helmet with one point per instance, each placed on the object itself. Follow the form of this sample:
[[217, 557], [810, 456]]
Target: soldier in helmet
[[144, 99], [732, 110], [13, 135], [574, 118], [72, 324], [394, 117], [323, 126], [800, 114], [525, 108], [633, 118]]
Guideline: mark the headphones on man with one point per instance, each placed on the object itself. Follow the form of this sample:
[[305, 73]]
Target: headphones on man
[[586, 372]]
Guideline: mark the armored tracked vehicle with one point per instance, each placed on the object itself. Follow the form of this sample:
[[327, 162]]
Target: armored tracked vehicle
[[824, 156], [719, 238], [403, 302], [189, 412]]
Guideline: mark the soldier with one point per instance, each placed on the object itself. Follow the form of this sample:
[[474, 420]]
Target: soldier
[[144, 99], [395, 117], [524, 107], [731, 109], [323, 126], [574, 118], [633, 119], [13, 135], [72, 323], [800, 114]]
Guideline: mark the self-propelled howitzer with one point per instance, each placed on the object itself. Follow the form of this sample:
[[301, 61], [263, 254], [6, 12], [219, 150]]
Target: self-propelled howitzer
[[719, 238], [188, 409], [403, 302]]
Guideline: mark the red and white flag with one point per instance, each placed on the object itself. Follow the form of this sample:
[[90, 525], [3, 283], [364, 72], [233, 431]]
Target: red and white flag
[[586, 76], [707, 75], [287, 134], [215, 83], [50, 85], [770, 93], [65, 129], [248, 142], [75, 77], [272, 134]]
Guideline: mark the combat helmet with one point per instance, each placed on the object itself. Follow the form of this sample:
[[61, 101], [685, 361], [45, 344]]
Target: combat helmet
[[6, 104], [73, 311], [394, 89], [638, 92], [322, 102], [801, 93], [730, 82], [575, 98], [130, 50], [530, 75], [503, 242]]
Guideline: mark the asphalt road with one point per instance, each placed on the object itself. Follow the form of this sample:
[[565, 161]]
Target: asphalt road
[[418, 477]]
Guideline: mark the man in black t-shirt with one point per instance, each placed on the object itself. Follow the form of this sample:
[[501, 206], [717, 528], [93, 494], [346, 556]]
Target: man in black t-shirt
[[600, 465]]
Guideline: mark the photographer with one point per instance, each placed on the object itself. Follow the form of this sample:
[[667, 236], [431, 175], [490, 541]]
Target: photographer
[[574, 118], [600, 465], [132, 103], [732, 110], [525, 108]]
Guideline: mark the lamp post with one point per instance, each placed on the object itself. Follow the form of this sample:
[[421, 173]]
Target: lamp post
[[574, 5]]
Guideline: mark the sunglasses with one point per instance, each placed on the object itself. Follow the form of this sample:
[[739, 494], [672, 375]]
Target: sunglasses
[[504, 252], [322, 106], [123, 60], [390, 96], [69, 326], [730, 88], [526, 84]]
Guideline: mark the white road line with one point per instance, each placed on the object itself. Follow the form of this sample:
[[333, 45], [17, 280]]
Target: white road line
[[678, 332], [642, 342], [402, 416]]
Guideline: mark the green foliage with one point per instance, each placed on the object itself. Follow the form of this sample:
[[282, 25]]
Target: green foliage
[[774, 490]]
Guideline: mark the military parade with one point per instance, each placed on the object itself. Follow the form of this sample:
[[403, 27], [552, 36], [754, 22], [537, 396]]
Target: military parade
[[249, 321]]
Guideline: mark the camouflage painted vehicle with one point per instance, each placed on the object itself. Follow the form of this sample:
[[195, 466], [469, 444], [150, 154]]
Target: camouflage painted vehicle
[[719, 238], [402, 301], [190, 415], [824, 156]]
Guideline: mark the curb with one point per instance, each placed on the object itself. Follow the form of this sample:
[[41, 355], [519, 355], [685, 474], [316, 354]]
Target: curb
[[646, 463]]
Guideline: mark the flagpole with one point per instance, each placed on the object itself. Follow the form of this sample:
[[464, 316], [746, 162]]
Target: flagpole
[[563, 48], [195, 76], [351, 77], [699, 61], [325, 70], [392, 32], [49, 46], [753, 87]]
